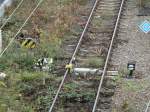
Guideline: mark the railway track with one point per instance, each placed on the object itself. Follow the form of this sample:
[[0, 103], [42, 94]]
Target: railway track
[[95, 43], [147, 107]]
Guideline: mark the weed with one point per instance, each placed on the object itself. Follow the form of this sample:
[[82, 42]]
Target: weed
[[25, 87], [72, 92], [95, 62], [128, 107]]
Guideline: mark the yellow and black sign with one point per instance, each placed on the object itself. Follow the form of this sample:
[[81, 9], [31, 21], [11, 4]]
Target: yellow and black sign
[[28, 43]]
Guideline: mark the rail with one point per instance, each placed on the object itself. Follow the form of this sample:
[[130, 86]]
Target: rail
[[108, 56], [74, 54]]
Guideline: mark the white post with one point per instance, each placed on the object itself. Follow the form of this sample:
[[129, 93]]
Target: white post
[[92, 71], [7, 3], [2, 10], [0, 41]]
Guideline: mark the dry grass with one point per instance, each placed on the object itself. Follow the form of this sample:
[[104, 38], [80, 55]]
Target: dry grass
[[53, 22]]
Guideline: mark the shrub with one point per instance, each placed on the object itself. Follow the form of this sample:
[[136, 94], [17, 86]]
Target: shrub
[[72, 92]]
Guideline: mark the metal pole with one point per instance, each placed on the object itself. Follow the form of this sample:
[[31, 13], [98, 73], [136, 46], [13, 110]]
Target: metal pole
[[0, 41], [140, 4], [131, 73]]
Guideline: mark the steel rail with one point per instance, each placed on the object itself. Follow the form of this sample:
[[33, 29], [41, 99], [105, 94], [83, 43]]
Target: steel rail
[[74, 54], [147, 107], [108, 55], [20, 3], [12, 40]]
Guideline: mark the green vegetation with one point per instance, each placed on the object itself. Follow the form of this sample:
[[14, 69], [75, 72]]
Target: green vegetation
[[74, 92], [23, 87], [95, 62], [135, 86], [26, 86]]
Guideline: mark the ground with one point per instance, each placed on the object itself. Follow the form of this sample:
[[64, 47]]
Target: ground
[[57, 21], [132, 95], [24, 87]]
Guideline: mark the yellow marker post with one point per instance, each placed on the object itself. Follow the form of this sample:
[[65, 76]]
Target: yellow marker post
[[69, 67]]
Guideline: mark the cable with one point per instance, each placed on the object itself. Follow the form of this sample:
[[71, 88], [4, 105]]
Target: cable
[[148, 105], [11, 14], [108, 55], [12, 40], [72, 58]]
